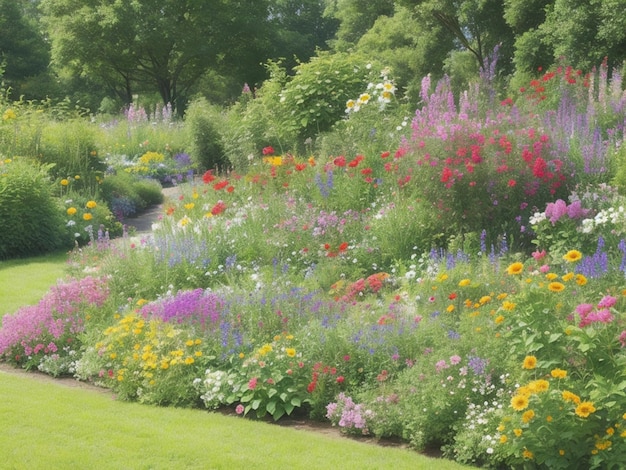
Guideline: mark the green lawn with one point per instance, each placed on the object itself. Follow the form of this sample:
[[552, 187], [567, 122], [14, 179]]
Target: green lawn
[[53, 425], [25, 281]]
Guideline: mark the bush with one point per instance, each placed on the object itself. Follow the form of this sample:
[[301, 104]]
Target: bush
[[71, 147], [30, 216], [127, 194], [203, 121]]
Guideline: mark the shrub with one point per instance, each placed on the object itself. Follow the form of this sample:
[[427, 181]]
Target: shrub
[[30, 216], [127, 194], [203, 125]]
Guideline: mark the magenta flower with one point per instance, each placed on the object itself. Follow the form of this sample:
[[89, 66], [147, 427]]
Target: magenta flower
[[240, 409], [607, 301], [454, 360]]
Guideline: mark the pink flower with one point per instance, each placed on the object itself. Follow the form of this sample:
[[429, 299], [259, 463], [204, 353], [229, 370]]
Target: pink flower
[[622, 339], [584, 309], [269, 150], [454, 360], [252, 383], [544, 269], [340, 379], [539, 254], [441, 365], [607, 301], [240, 409]]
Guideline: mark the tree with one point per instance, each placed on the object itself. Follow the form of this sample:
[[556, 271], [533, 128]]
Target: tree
[[300, 28], [477, 26], [165, 44], [23, 51], [356, 18]]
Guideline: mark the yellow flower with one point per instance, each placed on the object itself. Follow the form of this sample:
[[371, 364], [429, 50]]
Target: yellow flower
[[464, 282], [8, 115], [530, 362], [198, 341], [584, 409], [87, 216], [572, 256], [189, 206], [517, 432], [291, 352], [538, 386], [91, 204], [273, 161], [568, 277], [561, 452], [189, 342], [241, 355], [450, 308], [551, 276], [484, 299], [503, 439], [527, 454], [556, 287], [603, 445], [64, 182], [569, 396], [558, 373], [499, 319], [198, 354], [610, 431], [519, 402], [189, 360], [528, 416], [515, 268], [506, 305], [71, 211], [581, 280], [77, 177]]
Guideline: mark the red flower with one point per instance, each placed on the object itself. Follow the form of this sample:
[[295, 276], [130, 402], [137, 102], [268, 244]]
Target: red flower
[[366, 171], [511, 183], [208, 177], [385, 154], [340, 379], [300, 166], [340, 161], [218, 208], [452, 296], [311, 387], [220, 185], [343, 246], [268, 150]]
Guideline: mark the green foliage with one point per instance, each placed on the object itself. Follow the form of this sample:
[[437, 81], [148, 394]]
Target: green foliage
[[316, 97], [70, 148], [30, 215], [203, 122], [127, 194]]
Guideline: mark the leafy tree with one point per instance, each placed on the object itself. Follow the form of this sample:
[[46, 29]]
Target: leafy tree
[[477, 26], [300, 27], [23, 51], [356, 18], [166, 45]]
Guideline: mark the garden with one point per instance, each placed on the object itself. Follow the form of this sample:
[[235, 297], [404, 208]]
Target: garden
[[449, 273]]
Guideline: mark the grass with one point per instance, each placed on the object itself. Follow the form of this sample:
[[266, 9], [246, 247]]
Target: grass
[[51, 425], [25, 281]]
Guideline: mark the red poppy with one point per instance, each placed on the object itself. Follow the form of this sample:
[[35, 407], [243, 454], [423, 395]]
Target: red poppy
[[340, 161], [269, 150], [208, 177]]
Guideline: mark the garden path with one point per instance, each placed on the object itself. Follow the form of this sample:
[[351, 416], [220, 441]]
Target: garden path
[[142, 223]]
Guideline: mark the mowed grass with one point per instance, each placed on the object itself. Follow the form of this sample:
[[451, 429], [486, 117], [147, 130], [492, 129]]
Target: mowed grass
[[50, 425], [53, 425], [25, 281]]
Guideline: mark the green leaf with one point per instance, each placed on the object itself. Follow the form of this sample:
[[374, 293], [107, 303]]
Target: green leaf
[[283, 397], [256, 403], [271, 407], [295, 401], [289, 408], [271, 392]]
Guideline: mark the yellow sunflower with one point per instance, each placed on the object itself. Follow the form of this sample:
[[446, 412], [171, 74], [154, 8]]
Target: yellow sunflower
[[572, 256]]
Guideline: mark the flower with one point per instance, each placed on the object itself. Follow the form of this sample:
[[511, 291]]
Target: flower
[[572, 256], [239, 409], [291, 352], [558, 373], [91, 204], [252, 383], [64, 182], [71, 211], [464, 282], [87, 216], [269, 150], [519, 402], [528, 416], [556, 286], [569, 396], [584, 409], [530, 362], [515, 268]]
